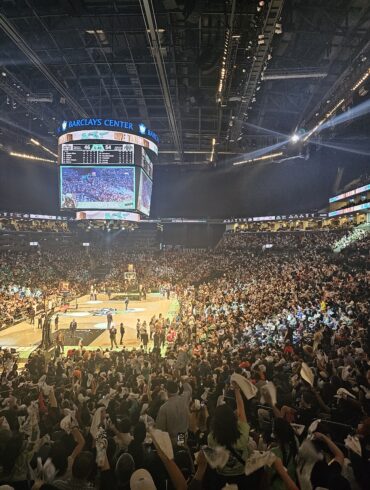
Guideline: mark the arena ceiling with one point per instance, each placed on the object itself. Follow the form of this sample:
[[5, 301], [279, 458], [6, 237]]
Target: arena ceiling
[[206, 75]]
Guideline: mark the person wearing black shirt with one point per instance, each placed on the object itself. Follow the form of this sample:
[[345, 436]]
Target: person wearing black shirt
[[122, 332], [289, 334], [31, 313]]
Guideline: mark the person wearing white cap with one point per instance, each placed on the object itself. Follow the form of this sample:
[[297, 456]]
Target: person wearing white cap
[[142, 480]]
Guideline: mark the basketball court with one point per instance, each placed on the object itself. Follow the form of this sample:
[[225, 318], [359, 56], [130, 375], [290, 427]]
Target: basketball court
[[91, 318]]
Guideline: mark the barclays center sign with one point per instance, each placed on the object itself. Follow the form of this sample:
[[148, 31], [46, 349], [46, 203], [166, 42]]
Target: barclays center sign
[[108, 123]]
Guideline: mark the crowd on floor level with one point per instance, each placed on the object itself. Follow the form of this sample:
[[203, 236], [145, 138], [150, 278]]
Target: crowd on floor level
[[265, 383]]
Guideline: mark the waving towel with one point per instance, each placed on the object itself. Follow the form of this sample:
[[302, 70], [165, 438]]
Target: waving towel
[[96, 422], [249, 390], [101, 443], [268, 389]]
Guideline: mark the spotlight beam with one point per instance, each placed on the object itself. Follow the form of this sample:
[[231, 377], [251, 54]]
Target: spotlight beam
[[341, 148], [353, 113], [350, 115], [262, 152], [266, 130]]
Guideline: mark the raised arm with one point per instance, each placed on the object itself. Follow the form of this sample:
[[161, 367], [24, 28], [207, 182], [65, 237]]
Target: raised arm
[[196, 482], [177, 478], [239, 404], [320, 401], [288, 482], [79, 439], [337, 453]]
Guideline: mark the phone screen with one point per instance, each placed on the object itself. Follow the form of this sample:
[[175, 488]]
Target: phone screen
[[180, 439]]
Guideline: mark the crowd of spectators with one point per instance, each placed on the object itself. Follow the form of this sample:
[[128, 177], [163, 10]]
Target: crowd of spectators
[[240, 239], [265, 382], [354, 236], [57, 226], [29, 276]]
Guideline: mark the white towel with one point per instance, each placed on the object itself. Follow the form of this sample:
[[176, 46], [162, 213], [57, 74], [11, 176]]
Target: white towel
[[257, 459], [101, 443], [164, 442], [216, 457], [249, 389], [269, 388], [353, 443], [313, 427], [69, 422], [96, 422]]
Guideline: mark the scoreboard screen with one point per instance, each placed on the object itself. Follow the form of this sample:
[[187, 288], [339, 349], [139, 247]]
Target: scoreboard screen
[[97, 154], [144, 194], [146, 163], [106, 165]]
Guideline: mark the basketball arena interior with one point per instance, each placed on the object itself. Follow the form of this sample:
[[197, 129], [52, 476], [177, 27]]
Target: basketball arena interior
[[184, 244]]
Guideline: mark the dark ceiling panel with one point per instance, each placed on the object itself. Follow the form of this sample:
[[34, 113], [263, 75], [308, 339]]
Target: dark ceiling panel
[[99, 51]]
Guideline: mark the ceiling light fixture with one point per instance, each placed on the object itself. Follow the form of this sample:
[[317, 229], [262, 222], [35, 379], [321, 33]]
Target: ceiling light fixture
[[295, 138], [223, 68], [330, 113], [327, 116], [37, 143], [30, 157], [264, 157], [213, 150], [362, 79], [278, 28]]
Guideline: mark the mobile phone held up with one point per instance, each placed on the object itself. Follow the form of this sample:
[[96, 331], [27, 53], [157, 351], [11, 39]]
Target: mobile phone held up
[[181, 439]]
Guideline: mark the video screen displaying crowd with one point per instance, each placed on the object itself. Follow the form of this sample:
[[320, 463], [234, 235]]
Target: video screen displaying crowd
[[97, 185], [145, 194], [264, 381]]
